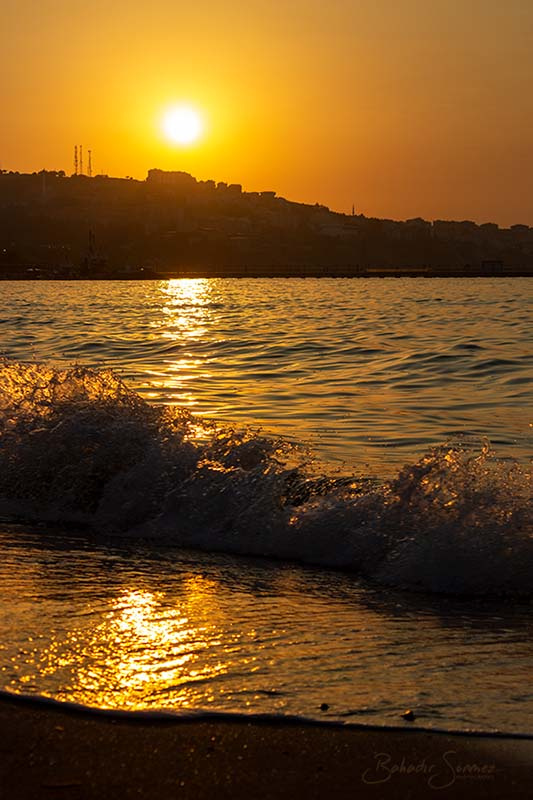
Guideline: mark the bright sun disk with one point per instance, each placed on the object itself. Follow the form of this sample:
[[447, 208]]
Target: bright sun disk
[[182, 125]]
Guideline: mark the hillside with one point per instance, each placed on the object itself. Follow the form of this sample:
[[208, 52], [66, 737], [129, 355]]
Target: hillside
[[52, 225]]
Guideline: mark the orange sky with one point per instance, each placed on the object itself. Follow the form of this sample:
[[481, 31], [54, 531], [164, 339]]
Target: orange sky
[[403, 107]]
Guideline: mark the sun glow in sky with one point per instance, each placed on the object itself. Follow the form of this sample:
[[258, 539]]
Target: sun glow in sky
[[182, 125], [406, 108]]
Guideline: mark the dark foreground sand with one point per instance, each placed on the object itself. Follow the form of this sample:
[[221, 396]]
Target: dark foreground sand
[[50, 752]]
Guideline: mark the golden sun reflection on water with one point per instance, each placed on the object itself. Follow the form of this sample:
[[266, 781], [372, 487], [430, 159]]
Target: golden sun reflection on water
[[185, 319], [185, 313], [145, 647]]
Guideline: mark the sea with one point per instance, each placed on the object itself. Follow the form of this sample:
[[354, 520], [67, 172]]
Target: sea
[[292, 497]]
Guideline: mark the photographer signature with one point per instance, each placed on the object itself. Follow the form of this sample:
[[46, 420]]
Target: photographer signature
[[439, 775]]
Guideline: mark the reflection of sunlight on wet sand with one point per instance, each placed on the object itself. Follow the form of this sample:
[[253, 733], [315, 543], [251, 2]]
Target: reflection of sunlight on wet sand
[[146, 646]]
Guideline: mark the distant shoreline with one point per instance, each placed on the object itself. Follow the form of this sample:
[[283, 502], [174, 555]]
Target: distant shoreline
[[147, 275], [171, 225]]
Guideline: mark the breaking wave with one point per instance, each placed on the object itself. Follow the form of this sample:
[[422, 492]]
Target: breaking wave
[[78, 447]]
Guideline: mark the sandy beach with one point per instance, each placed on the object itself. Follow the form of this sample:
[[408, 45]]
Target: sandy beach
[[61, 751]]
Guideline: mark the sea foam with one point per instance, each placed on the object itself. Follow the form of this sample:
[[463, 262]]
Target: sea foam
[[78, 447]]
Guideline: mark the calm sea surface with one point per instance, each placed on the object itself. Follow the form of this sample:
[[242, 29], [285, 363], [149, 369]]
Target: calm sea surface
[[371, 375], [368, 371]]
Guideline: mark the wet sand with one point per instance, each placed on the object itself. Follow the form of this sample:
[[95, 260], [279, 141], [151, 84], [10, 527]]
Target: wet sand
[[50, 751]]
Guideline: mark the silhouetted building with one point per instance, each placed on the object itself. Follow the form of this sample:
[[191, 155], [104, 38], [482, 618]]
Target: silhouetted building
[[160, 177]]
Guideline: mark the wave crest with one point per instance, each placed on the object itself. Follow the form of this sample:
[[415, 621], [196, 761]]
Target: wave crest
[[77, 446]]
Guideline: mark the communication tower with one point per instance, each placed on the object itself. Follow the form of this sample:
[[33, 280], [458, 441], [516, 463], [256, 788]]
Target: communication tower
[[90, 164], [81, 159], [75, 159]]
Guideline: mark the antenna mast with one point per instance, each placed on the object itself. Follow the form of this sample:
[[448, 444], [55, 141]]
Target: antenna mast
[[75, 159], [90, 165], [81, 159]]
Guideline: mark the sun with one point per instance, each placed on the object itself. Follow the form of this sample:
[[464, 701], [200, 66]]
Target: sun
[[182, 125]]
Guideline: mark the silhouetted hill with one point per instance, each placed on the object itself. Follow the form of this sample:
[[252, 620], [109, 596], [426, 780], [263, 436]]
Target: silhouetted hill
[[171, 223]]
